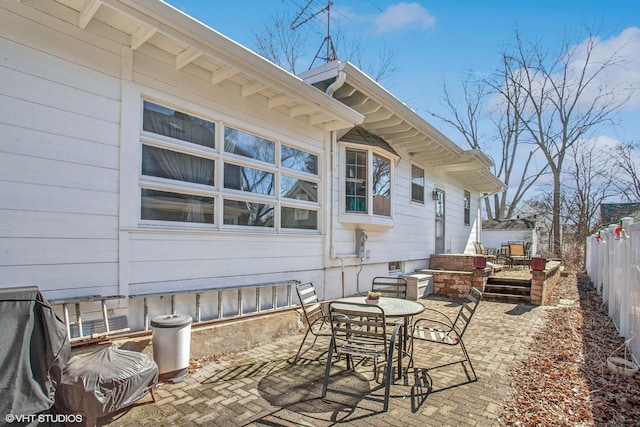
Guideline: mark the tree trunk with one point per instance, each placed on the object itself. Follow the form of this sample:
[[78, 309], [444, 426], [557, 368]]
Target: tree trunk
[[557, 236]]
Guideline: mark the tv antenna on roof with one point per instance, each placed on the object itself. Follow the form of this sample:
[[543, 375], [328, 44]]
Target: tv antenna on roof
[[330, 48]]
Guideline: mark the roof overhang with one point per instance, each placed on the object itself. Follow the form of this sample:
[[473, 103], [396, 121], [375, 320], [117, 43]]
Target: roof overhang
[[401, 127], [195, 47]]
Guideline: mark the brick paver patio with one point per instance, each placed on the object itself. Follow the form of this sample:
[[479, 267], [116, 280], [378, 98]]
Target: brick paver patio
[[261, 387]]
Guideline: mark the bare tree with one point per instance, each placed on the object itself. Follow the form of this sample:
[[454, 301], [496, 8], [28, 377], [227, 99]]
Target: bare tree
[[288, 46], [281, 45], [587, 181], [518, 176], [564, 100], [628, 184]]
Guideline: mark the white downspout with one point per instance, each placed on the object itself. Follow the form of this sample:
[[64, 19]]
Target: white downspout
[[337, 84]]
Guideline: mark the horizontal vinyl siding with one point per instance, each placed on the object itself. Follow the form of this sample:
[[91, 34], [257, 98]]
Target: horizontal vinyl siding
[[174, 257], [59, 160]]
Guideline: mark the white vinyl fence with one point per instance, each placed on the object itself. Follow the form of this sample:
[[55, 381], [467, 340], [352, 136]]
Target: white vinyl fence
[[613, 264]]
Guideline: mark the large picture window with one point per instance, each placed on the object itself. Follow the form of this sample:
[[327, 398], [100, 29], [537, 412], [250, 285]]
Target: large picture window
[[265, 183]]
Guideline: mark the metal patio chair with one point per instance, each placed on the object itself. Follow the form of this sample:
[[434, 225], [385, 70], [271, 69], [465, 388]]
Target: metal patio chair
[[440, 329], [518, 254], [393, 287], [318, 323], [360, 331]]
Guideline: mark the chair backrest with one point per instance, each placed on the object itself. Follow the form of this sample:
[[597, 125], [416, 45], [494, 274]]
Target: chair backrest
[[309, 302], [393, 287], [358, 329], [516, 249], [480, 250], [466, 312]]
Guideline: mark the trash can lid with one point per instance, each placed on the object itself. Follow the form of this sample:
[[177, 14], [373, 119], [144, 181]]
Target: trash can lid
[[171, 321]]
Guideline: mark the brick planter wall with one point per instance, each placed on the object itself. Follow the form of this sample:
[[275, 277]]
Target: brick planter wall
[[543, 281], [454, 275]]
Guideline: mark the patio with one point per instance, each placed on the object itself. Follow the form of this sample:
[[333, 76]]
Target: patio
[[261, 387]]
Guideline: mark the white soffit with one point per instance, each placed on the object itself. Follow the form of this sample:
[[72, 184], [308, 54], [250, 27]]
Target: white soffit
[[404, 130], [193, 44]]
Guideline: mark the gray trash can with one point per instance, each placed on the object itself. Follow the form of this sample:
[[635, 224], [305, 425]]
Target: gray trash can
[[172, 346]]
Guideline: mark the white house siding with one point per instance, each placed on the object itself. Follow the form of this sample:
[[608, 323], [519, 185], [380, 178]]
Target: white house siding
[[59, 121], [70, 175], [176, 258]]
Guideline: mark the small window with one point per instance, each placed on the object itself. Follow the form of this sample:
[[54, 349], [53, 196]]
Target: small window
[[467, 208], [169, 206], [298, 189], [175, 124], [244, 178], [298, 160], [395, 267], [248, 213], [177, 166], [306, 219], [248, 145], [417, 184]]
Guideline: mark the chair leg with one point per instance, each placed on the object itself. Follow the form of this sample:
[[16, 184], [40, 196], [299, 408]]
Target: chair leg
[[387, 382], [300, 352], [327, 370], [466, 356]]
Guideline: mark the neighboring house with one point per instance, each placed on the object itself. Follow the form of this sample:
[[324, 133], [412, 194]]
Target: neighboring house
[[144, 153], [497, 232], [612, 213]]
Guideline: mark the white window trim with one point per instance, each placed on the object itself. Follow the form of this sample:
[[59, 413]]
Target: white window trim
[[368, 218]]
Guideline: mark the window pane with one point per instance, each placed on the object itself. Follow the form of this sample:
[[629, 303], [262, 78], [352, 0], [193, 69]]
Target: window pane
[[299, 218], [248, 145], [356, 165], [417, 184], [467, 208], [166, 206], [381, 186], [247, 213], [173, 165], [248, 179], [174, 124], [356, 181], [299, 160], [299, 189]]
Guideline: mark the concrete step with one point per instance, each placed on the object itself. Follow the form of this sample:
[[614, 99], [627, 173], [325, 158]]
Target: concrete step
[[504, 297], [507, 289]]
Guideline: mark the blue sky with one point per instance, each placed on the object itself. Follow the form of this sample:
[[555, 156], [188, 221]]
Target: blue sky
[[441, 41]]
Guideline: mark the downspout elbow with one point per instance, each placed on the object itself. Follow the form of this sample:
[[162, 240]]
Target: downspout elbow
[[342, 77]]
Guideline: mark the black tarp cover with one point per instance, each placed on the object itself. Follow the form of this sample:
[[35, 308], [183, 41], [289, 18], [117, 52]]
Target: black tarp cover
[[33, 351], [105, 381]]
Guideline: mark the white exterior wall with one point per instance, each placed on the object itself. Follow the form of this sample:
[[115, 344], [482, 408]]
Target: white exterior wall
[[59, 120], [70, 116]]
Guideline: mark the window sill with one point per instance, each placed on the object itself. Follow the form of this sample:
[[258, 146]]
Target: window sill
[[371, 221]]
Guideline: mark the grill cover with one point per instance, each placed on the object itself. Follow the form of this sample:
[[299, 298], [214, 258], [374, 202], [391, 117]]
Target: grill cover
[[105, 381], [33, 351]]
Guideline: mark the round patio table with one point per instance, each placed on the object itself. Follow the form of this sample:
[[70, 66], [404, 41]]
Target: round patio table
[[393, 307]]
